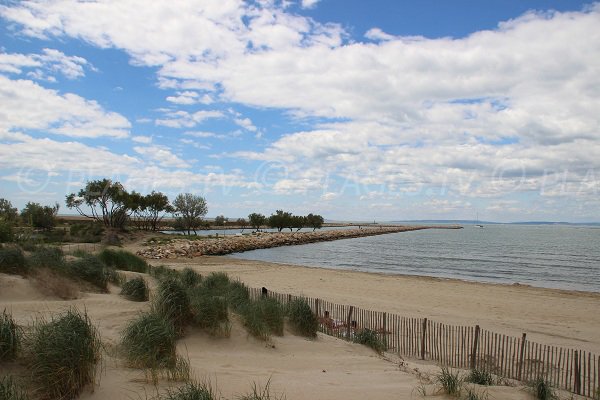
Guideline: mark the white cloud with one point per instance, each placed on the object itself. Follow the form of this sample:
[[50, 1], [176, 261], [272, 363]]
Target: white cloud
[[329, 196], [309, 3], [185, 98], [184, 119], [142, 139], [26, 105], [246, 123], [162, 155], [50, 61]]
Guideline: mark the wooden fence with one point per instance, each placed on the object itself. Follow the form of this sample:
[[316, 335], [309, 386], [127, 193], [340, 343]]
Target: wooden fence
[[465, 347]]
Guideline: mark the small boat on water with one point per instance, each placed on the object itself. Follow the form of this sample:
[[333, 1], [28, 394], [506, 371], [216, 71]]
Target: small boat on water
[[477, 224]]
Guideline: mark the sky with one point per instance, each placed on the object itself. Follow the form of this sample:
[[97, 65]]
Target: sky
[[356, 110]]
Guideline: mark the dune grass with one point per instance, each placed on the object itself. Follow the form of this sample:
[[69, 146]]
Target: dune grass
[[480, 377], [123, 260], [12, 261], [260, 393], [263, 317], [148, 342], [47, 256], [11, 390], [135, 289], [63, 355], [172, 301], [302, 319], [369, 338], [450, 382], [192, 391], [542, 390], [209, 312], [190, 278], [89, 269], [162, 272], [238, 295], [10, 337]]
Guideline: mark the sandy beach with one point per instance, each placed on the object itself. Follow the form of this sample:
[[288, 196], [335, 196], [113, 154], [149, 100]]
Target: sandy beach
[[325, 368]]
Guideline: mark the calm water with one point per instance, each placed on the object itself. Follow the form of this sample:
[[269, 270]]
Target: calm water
[[564, 257]]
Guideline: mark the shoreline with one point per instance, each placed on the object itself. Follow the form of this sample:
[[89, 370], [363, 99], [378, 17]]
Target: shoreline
[[551, 316], [202, 246]]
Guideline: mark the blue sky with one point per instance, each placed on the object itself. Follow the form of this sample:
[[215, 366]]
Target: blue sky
[[384, 110]]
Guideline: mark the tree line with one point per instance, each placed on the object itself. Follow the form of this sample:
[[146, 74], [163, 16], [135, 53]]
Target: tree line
[[111, 205]]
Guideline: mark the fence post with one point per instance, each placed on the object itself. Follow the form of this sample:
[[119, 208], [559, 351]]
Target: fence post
[[289, 298], [423, 339], [521, 357], [385, 341], [317, 308], [577, 368], [475, 344], [349, 322]]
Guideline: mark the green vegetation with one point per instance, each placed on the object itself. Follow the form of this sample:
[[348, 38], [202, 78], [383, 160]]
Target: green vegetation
[[47, 256], [6, 232], [173, 303], [472, 394], [124, 260], [217, 283], [149, 342], [263, 318], [10, 337], [542, 390], [10, 390], [238, 295], [450, 382], [12, 261], [257, 220], [63, 355], [302, 319], [369, 338], [258, 393], [90, 232], [190, 278], [283, 219], [190, 209], [89, 269], [135, 289], [38, 216], [209, 311], [480, 377], [192, 391]]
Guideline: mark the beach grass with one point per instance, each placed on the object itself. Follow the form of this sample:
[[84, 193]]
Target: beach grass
[[135, 289], [302, 319], [10, 337], [148, 342], [123, 260], [12, 261], [369, 338], [238, 295], [450, 382], [217, 283], [480, 377], [47, 256], [63, 355], [260, 393], [190, 278], [263, 318], [192, 391], [172, 301], [209, 311], [11, 390], [542, 390], [90, 269]]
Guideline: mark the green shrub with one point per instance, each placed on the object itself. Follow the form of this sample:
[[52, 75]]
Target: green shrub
[[162, 272], [173, 303], [217, 283], [149, 342], [450, 382], [6, 232], [115, 277], [191, 391], [238, 295], [10, 337], [135, 289], [369, 338], [12, 261], [10, 390], [480, 377], [46, 256], [542, 390], [302, 319], [209, 312], [63, 355], [190, 278], [90, 269], [263, 318], [86, 232], [124, 260]]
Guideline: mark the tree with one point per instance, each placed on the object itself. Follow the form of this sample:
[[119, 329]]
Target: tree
[[298, 222], [242, 223], [107, 201], [7, 212], [281, 219], [221, 220], [149, 210], [191, 209], [314, 221], [257, 220], [38, 216]]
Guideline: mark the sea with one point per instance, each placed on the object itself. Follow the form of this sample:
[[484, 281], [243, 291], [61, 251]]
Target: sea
[[549, 256]]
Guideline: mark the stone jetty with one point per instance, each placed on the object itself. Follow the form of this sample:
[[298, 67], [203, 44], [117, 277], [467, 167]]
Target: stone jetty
[[188, 248]]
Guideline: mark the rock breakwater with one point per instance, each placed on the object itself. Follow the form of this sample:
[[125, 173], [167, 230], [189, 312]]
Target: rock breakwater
[[197, 247]]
